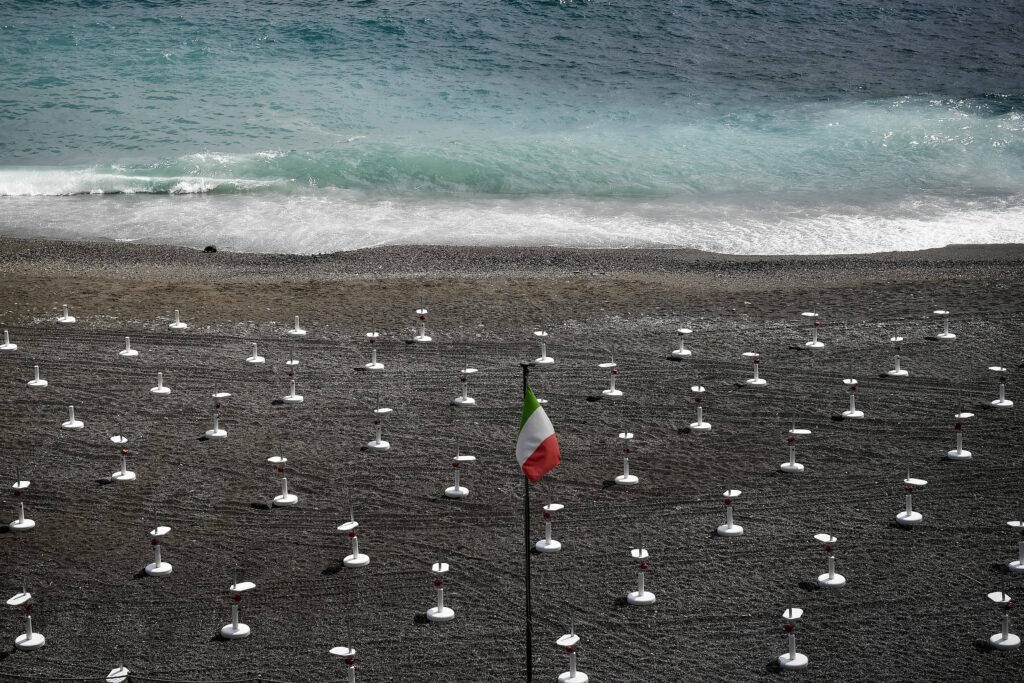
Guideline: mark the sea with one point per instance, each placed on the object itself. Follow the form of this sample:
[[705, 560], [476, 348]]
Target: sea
[[311, 126]]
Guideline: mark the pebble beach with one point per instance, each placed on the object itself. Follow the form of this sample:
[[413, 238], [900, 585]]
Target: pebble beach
[[913, 608]]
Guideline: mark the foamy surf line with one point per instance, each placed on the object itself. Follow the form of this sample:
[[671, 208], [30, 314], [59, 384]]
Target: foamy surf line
[[70, 183], [344, 220]]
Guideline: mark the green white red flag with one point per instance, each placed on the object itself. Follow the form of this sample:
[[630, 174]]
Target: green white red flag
[[537, 447]]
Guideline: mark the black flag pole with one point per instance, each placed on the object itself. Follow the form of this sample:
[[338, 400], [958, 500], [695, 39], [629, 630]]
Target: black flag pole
[[526, 540]]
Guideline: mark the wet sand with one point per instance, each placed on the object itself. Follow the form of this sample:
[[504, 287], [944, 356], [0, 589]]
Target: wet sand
[[914, 607]]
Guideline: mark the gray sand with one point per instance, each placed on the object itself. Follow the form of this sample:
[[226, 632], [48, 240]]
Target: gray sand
[[914, 607]]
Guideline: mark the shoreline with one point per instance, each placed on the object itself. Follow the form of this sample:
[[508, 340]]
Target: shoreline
[[719, 600], [434, 257], [381, 285]]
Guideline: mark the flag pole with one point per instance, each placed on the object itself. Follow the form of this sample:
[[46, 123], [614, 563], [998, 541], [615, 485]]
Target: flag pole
[[526, 540]]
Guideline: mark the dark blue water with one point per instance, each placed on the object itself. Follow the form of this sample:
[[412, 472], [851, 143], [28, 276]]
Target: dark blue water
[[812, 127]]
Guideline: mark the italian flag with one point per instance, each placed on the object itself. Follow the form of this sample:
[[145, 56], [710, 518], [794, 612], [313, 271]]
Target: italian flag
[[537, 447]]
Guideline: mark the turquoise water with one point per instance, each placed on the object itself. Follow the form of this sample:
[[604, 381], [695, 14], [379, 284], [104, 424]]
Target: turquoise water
[[812, 126]]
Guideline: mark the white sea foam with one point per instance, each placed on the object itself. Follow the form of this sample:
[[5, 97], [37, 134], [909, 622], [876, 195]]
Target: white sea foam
[[194, 186], [344, 220], [45, 182], [22, 182]]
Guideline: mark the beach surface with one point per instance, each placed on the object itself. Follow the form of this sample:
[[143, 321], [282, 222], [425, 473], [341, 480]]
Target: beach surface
[[914, 607]]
